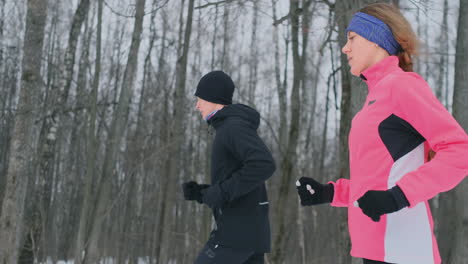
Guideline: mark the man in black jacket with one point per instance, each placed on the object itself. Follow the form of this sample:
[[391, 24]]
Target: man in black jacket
[[240, 165]]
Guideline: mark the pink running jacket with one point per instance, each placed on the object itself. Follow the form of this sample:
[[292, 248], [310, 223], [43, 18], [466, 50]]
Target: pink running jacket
[[389, 140]]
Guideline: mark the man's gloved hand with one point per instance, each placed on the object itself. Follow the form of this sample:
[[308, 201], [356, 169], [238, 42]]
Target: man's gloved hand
[[312, 192], [193, 191], [377, 203]]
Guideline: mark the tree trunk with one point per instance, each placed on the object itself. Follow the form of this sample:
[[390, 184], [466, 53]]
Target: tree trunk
[[92, 148], [289, 158], [460, 95], [253, 69], [116, 132], [214, 39], [353, 94], [2, 23], [225, 61], [6, 116], [177, 138], [161, 79], [281, 87], [57, 101], [21, 145], [54, 106], [443, 49], [451, 204]]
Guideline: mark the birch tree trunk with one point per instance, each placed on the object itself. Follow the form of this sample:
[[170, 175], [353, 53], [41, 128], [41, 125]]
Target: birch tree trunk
[[57, 100], [55, 105]]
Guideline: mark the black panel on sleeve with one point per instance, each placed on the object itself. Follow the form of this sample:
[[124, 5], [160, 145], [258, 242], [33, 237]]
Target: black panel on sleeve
[[399, 136]]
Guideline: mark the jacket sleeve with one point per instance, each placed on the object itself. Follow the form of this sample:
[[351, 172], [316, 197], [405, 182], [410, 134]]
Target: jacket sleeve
[[257, 166], [415, 103], [341, 193]]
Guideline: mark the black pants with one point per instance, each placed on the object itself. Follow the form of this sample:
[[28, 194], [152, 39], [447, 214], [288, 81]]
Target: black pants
[[368, 261], [217, 254]]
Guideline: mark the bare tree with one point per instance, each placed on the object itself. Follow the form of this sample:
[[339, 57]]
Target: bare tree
[[253, 69], [214, 39], [443, 58], [289, 157], [281, 87], [21, 145], [225, 62], [6, 95], [54, 107], [104, 157], [116, 132], [176, 132], [163, 135], [460, 96], [450, 229], [92, 146], [353, 93], [2, 19], [57, 100]]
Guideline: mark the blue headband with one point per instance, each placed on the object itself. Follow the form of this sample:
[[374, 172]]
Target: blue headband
[[375, 30]]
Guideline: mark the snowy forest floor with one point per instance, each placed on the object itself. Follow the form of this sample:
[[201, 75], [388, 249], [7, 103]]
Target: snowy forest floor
[[146, 261]]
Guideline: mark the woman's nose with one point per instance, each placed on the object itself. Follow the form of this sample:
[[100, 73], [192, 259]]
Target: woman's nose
[[345, 48]]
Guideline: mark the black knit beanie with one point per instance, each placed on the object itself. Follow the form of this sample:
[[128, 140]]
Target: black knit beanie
[[216, 87]]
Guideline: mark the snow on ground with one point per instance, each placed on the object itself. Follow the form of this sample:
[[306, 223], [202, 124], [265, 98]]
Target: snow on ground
[[144, 260]]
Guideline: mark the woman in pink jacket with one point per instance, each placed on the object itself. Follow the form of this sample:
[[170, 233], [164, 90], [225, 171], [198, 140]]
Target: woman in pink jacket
[[391, 180]]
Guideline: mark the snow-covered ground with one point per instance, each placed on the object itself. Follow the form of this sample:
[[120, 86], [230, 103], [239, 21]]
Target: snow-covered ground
[[104, 261], [355, 260]]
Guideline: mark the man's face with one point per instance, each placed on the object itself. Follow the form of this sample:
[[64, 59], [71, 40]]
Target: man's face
[[205, 107]]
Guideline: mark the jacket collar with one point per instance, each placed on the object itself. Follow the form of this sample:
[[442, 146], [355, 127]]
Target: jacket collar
[[378, 71]]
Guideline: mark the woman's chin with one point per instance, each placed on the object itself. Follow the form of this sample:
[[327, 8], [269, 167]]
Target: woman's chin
[[355, 72]]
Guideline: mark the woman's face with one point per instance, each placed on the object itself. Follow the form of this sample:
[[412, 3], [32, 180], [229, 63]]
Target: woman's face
[[361, 53]]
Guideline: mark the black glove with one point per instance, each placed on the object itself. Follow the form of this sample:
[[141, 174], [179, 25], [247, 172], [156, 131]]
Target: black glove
[[377, 203], [214, 196], [312, 192], [193, 191]]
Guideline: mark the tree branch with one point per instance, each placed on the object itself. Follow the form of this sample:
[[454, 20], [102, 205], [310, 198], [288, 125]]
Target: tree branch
[[327, 2], [281, 20], [298, 12], [330, 32], [130, 11], [213, 3]]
